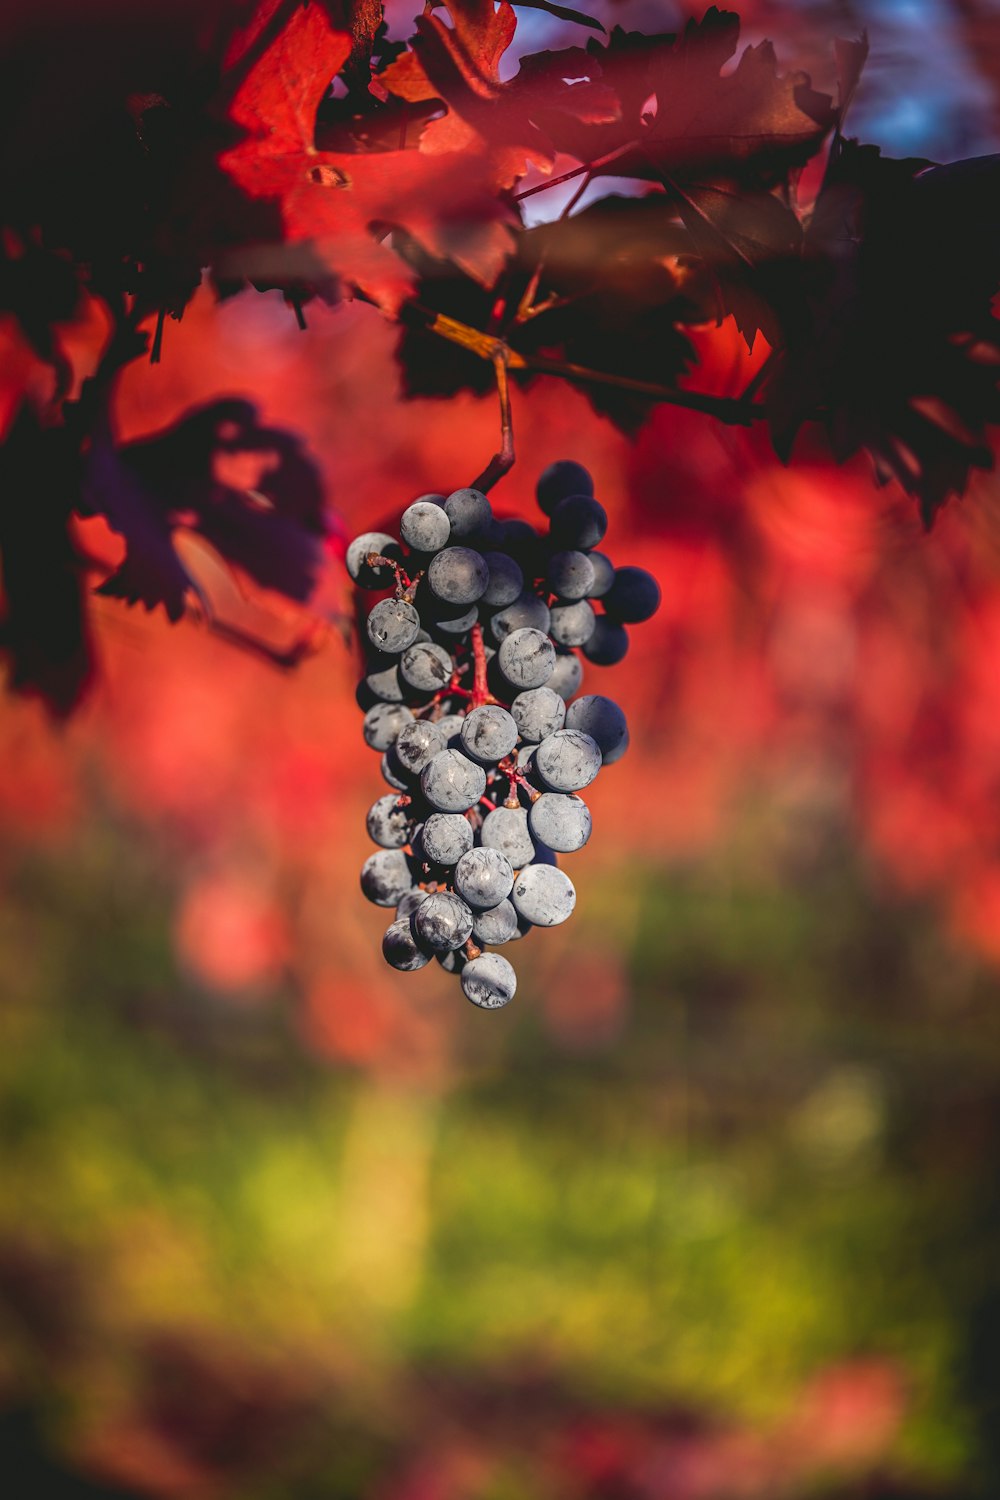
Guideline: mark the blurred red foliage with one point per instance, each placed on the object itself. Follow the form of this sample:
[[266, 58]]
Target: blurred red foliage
[[812, 638]]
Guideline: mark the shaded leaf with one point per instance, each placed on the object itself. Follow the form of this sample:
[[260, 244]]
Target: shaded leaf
[[44, 631], [249, 490], [750, 125], [892, 340], [605, 290]]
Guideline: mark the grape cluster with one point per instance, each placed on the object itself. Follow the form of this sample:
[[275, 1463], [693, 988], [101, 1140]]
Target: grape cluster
[[470, 668]]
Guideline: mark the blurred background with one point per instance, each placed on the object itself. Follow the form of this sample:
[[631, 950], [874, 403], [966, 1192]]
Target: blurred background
[[712, 1209]]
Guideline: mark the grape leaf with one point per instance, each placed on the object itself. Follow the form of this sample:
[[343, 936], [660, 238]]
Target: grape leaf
[[249, 490], [888, 330], [717, 143], [602, 289], [43, 629], [750, 125], [340, 203], [460, 65]]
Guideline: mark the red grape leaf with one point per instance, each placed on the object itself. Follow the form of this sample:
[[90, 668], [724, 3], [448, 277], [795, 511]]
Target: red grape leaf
[[750, 125], [339, 203], [460, 65]]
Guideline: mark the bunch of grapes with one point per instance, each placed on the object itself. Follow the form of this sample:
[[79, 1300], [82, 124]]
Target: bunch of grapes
[[471, 668]]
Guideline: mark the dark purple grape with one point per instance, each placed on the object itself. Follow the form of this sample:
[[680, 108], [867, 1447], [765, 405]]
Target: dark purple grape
[[633, 597], [608, 644], [570, 575], [561, 479], [572, 624], [469, 513], [399, 947], [604, 575], [579, 523]]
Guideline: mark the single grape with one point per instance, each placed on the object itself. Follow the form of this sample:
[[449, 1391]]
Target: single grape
[[618, 751], [604, 575], [417, 853], [489, 981], [379, 543], [523, 542], [572, 624], [494, 926], [518, 535], [446, 837], [543, 855], [578, 522], [527, 658], [568, 760], [393, 625], [383, 722], [506, 829], [570, 575], [469, 512], [567, 675], [425, 666], [458, 575], [389, 824], [399, 947], [383, 681], [506, 580], [562, 822], [526, 612], [561, 479], [633, 597], [410, 902], [608, 643], [544, 895], [602, 719], [451, 782], [457, 625], [386, 877], [538, 712], [391, 774], [450, 726], [523, 928], [452, 962], [425, 526], [488, 734], [483, 877], [415, 744], [441, 922]]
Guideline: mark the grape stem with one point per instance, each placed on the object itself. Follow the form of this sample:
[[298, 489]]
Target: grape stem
[[515, 777], [502, 462], [406, 586], [480, 694], [732, 410], [471, 951]]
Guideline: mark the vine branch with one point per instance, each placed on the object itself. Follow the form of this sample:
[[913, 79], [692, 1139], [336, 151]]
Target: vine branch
[[732, 410], [501, 462]]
